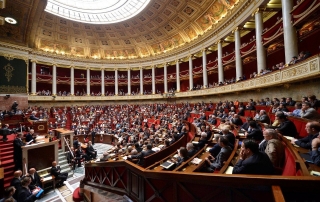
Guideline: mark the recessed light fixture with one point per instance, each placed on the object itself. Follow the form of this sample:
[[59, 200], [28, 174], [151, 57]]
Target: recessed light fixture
[[10, 20]]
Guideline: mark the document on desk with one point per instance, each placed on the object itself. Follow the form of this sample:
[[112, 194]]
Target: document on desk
[[289, 137], [47, 178], [315, 173], [167, 164], [229, 170], [208, 148], [195, 142], [196, 161], [241, 134]]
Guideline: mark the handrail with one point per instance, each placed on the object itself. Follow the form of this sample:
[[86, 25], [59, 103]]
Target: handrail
[[68, 146]]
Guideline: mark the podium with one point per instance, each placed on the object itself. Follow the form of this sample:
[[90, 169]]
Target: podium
[[40, 155]]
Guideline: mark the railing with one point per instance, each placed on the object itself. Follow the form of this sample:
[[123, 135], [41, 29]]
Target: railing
[[305, 70]]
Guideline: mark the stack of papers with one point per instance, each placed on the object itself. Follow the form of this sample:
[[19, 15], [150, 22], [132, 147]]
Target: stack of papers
[[167, 164], [196, 161], [195, 142], [156, 149], [176, 156], [315, 173], [241, 134], [207, 149], [229, 170], [289, 138]]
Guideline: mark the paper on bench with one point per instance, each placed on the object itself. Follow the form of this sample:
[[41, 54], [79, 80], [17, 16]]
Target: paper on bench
[[208, 148], [314, 173], [156, 149], [229, 170], [47, 178], [195, 142], [289, 137], [196, 161]]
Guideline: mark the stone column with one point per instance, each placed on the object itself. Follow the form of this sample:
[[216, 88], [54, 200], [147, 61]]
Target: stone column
[[102, 83], [178, 75], [190, 73], [72, 80], [289, 32], [165, 78], [141, 81], [204, 69], [54, 79], [129, 81], [88, 81], [116, 82], [153, 80], [33, 78], [237, 44], [261, 52], [220, 65]]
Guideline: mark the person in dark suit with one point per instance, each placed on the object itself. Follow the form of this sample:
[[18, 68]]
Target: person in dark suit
[[26, 194], [75, 142], [33, 116], [202, 142], [183, 156], [31, 137], [8, 194], [17, 153], [80, 155], [93, 134], [137, 147], [56, 172], [191, 150], [91, 152], [5, 131], [252, 161], [14, 107], [287, 127], [142, 154], [35, 178], [16, 183], [236, 120], [255, 132], [224, 154]]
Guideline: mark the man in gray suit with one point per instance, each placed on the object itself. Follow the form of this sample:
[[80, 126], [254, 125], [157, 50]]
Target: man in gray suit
[[224, 154]]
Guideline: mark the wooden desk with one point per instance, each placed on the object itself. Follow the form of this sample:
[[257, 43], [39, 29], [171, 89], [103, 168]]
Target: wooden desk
[[190, 167], [310, 166], [40, 155]]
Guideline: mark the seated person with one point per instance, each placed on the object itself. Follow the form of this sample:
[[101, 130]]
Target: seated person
[[183, 156], [254, 132], [224, 154], [142, 154], [274, 148], [33, 116], [315, 153], [313, 129], [263, 117], [245, 126], [191, 149], [80, 155], [35, 178], [25, 194], [91, 152], [56, 172], [252, 161], [297, 111], [225, 132], [8, 194], [202, 141], [236, 120], [307, 112], [286, 127]]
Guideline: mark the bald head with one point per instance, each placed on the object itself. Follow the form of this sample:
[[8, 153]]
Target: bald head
[[17, 174], [32, 170]]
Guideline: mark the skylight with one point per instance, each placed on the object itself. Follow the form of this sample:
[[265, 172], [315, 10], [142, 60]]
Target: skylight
[[96, 11]]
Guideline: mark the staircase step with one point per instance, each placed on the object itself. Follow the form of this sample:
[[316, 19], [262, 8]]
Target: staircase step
[[8, 167], [6, 153], [8, 173], [6, 157], [7, 162]]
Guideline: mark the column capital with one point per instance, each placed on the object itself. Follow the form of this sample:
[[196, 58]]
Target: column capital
[[128, 69], [34, 60], [219, 41], [54, 64], [258, 10], [71, 66], [87, 68], [235, 29], [140, 68], [177, 61], [101, 68]]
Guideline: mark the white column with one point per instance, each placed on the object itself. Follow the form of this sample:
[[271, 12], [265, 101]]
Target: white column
[[153, 80], [289, 32], [261, 53], [129, 81], [88, 81], [204, 69], [141, 81], [116, 82], [178, 76], [165, 78], [220, 65], [72, 80], [102, 83], [34, 78], [237, 44], [190, 73], [54, 79]]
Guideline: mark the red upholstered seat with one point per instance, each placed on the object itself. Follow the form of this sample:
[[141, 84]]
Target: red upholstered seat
[[289, 168], [76, 195]]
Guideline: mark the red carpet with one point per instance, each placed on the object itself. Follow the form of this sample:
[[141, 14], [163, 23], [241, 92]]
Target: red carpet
[[6, 159]]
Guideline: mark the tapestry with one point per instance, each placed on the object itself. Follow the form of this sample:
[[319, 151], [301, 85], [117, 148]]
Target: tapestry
[[13, 76]]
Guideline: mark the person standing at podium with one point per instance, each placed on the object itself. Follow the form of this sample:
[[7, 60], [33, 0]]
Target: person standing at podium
[[31, 137], [17, 144]]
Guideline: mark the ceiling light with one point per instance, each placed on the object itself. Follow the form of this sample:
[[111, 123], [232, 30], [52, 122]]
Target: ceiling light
[[10, 20]]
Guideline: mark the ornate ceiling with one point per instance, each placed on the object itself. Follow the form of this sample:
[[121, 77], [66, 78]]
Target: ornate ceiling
[[162, 26]]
